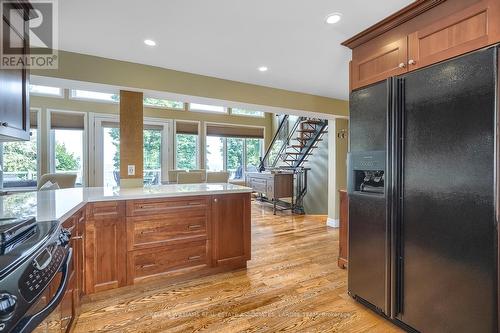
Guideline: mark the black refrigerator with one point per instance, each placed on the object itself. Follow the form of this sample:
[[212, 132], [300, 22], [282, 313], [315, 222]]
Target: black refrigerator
[[423, 196]]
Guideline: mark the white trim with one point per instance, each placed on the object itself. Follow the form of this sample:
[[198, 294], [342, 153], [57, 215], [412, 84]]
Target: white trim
[[333, 223]]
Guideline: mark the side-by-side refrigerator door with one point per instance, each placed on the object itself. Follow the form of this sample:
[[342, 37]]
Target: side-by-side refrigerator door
[[448, 246], [368, 178]]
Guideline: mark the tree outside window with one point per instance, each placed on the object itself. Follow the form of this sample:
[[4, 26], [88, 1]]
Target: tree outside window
[[186, 151]]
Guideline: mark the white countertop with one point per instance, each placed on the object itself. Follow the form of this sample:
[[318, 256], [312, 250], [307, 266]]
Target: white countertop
[[61, 204]]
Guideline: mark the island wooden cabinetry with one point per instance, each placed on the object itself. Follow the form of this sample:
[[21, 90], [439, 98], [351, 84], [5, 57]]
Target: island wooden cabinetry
[[167, 235], [105, 246], [421, 34], [231, 229], [130, 241]]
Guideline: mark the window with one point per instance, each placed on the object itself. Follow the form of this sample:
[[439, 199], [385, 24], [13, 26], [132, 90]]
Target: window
[[19, 160], [107, 162], [45, 90], [152, 140], [235, 149], [207, 108], [250, 113], [215, 153], [94, 95], [253, 154], [234, 156], [186, 149], [163, 103], [67, 143], [111, 155]]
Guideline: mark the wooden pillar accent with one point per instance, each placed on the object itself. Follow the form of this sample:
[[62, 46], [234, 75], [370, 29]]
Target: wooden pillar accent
[[131, 138]]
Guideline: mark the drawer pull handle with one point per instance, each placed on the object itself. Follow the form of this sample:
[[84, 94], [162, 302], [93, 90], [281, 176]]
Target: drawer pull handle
[[147, 232], [194, 226], [147, 266], [194, 257], [411, 62], [402, 65], [194, 203], [77, 237]]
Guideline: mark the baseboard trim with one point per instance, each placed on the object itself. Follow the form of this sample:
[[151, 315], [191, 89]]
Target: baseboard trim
[[333, 223]]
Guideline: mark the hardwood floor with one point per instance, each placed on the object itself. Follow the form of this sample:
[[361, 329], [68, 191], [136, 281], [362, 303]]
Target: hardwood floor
[[292, 284]]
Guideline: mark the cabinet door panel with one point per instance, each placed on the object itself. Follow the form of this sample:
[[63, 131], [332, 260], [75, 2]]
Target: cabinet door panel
[[14, 95], [379, 63], [462, 32], [231, 220], [105, 248]]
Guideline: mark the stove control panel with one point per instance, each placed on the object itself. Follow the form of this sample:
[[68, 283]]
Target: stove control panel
[[41, 271]]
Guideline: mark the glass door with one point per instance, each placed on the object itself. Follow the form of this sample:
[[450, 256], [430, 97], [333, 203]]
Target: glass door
[[107, 151]]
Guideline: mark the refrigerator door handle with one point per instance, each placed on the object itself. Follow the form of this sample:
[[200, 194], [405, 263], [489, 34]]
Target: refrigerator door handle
[[397, 167]]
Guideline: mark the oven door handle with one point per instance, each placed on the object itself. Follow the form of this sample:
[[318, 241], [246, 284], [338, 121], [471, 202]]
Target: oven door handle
[[30, 323]]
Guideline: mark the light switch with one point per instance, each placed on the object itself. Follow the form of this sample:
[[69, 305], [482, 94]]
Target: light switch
[[131, 170]]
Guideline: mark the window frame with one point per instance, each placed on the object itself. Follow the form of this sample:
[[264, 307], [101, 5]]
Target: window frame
[[224, 153], [51, 144]]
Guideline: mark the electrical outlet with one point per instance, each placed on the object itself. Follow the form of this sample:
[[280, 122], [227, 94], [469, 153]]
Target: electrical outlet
[[131, 170]]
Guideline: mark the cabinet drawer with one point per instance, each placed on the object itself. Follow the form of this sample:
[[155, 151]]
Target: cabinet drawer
[[162, 229], [160, 206], [259, 185], [149, 262], [105, 210]]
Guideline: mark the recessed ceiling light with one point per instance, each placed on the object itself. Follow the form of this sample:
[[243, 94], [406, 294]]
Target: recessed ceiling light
[[333, 18], [262, 69], [149, 42]]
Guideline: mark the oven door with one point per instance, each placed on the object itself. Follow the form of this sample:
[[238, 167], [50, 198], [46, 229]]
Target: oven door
[[46, 315]]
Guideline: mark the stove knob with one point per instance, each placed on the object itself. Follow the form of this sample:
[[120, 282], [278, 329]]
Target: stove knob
[[64, 237], [7, 306]]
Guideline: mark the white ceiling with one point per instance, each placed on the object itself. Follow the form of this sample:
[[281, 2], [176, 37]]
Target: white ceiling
[[227, 38]]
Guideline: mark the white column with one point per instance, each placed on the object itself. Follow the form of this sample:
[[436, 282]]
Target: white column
[[332, 220]]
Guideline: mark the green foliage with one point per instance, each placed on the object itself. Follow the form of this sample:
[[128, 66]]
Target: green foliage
[[186, 151], [253, 152], [115, 140], [152, 149], [66, 160], [20, 156], [163, 103], [234, 153]]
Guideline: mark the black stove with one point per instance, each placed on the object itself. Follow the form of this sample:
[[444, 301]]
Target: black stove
[[31, 255]]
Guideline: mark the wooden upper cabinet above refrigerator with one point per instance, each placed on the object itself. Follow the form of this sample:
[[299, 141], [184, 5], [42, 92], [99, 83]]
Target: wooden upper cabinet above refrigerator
[[421, 34]]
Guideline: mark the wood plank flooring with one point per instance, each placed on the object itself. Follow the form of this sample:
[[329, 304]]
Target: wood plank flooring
[[292, 284]]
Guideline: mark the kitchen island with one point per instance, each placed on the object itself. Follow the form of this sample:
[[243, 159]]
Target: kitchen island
[[124, 236]]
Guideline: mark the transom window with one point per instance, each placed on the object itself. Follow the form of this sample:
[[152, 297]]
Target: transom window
[[46, 90], [249, 113], [207, 108]]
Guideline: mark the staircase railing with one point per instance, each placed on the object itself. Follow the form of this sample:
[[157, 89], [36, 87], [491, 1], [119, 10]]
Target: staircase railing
[[278, 145], [311, 142]]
